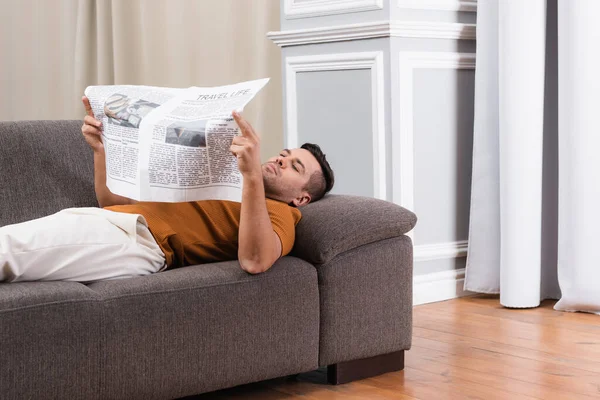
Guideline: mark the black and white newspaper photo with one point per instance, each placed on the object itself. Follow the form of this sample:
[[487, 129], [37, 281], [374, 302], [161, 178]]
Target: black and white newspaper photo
[[171, 145]]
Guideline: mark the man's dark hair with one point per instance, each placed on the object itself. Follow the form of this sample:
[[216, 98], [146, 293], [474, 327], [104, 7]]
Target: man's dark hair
[[320, 182]]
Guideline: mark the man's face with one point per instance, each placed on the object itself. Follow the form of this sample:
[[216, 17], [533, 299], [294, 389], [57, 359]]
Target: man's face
[[287, 175]]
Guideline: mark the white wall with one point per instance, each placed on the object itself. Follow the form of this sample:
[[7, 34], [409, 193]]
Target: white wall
[[400, 78]]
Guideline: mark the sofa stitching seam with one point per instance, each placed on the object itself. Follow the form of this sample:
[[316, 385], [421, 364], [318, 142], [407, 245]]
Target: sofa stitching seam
[[191, 288], [133, 295]]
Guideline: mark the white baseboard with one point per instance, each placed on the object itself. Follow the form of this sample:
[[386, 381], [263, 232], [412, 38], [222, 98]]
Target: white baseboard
[[443, 250], [439, 286]]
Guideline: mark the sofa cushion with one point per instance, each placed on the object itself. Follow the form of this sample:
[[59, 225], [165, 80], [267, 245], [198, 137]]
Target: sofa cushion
[[47, 166], [22, 295], [338, 223], [201, 328], [49, 331]]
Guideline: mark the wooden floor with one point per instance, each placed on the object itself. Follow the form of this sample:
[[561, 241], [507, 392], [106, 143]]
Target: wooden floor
[[469, 348]]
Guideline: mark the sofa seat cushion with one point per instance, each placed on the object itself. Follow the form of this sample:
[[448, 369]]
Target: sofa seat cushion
[[47, 331], [23, 295], [201, 328], [338, 223]]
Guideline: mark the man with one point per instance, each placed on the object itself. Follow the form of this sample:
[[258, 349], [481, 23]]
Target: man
[[125, 238]]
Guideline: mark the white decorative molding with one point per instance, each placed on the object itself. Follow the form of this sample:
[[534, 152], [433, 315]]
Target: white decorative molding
[[370, 30], [372, 61], [438, 251], [445, 5], [403, 136], [293, 9], [439, 286]]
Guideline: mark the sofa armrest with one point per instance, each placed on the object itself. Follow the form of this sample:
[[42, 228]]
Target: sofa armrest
[[338, 223]]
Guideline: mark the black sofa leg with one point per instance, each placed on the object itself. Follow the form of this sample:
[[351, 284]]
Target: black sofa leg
[[349, 371]]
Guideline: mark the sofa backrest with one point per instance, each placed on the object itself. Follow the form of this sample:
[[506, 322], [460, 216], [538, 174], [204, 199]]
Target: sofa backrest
[[45, 166]]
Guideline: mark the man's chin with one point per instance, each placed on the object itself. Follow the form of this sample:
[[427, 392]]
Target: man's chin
[[266, 178], [271, 191]]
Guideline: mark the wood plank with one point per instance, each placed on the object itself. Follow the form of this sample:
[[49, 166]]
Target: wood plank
[[358, 390], [546, 308], [422, 359], [354, 390], [561, 334], [549, 339], [508, 349], [253, 391], [586, 323], [506, 368], [429, 385]]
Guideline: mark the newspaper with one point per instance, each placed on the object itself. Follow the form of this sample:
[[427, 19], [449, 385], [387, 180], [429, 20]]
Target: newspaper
[[171, 145]]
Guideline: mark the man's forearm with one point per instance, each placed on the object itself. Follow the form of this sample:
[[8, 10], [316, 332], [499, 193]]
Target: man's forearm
[[259, 245], [104, 196]]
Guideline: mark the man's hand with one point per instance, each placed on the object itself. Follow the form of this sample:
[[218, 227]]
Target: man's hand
[[258, 244], [92, 128], [92, 132], [246, 148]]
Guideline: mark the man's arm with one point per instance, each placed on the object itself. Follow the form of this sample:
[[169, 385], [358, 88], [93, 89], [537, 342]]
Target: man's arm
[[92, 132], [258, 244]]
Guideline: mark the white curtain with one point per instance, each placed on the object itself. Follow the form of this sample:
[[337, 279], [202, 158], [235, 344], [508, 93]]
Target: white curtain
[[535, 201], [52, 49]]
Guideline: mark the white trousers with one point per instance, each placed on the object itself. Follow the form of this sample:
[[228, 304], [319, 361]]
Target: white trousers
[[79, 244]]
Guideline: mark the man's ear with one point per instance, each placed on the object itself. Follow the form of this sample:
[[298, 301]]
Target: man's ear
[[301, 200]]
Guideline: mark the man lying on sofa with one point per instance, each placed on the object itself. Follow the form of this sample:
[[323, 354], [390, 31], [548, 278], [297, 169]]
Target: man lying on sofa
[[125, 238]]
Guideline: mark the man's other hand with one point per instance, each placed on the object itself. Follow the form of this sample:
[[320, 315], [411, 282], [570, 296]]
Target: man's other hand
[[246, 148], [92, 128]]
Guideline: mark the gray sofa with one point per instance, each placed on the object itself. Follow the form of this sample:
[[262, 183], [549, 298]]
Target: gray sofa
[[342, 299]]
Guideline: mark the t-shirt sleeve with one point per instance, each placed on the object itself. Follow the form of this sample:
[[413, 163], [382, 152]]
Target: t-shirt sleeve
[[284, 219]]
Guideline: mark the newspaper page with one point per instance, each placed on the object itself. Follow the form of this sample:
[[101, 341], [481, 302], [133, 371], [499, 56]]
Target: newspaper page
[[171, 145]]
